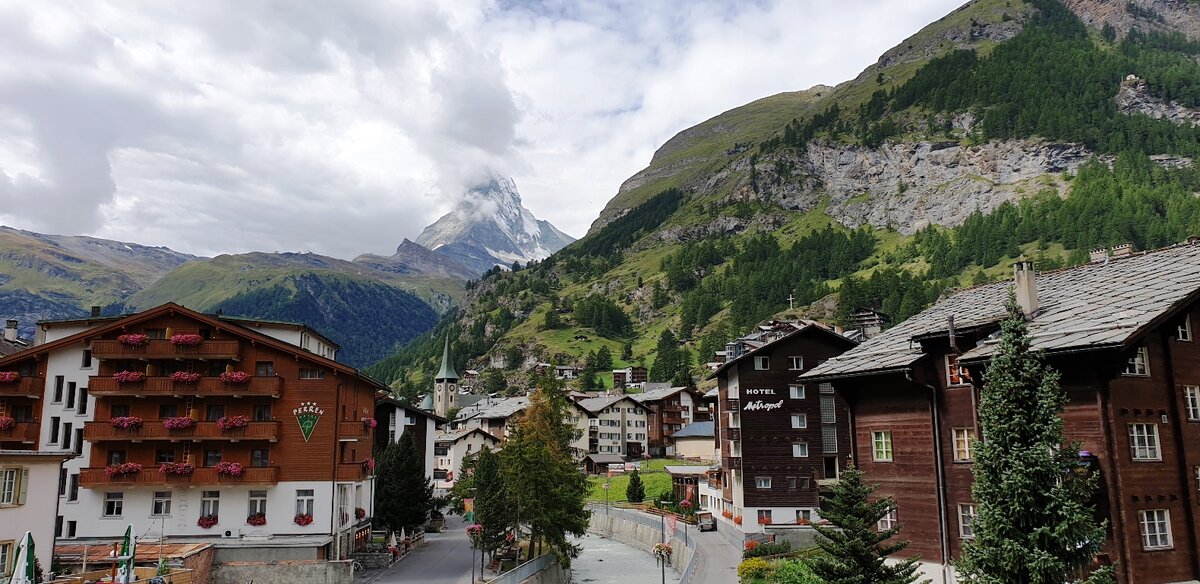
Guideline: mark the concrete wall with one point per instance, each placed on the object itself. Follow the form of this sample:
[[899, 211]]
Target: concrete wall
[[554, 574], [248, 553], [33, 506], [285, 572], [642, 531]]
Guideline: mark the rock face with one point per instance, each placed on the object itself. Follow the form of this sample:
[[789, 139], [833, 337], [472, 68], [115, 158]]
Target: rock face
[[1134, 98], [414, 258], [492, 228], [1181, 16]]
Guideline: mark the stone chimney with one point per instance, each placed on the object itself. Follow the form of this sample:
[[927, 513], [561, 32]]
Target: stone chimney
[[1123, 249], [1025, 283], [1098, 255], [10, 330]]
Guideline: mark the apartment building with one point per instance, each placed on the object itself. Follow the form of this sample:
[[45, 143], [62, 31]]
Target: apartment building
[[28, 502], [668, 410], [617, 424], [451, 448]]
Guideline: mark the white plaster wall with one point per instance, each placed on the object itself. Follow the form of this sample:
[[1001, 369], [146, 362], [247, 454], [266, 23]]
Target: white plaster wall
[[37, 514], [701, 448]]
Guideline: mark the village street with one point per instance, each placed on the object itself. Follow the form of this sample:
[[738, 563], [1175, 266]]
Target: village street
[[445, 558]]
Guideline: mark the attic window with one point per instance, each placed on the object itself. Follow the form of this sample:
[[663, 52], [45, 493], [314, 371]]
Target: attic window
[[956, 374], [1138, 363], [1183, 330], [762, 363]]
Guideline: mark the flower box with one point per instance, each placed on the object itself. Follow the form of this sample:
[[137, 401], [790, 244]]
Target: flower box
[[737, 519], [7, 423], [257, 519], [133, 340], [176, 468], [206, 521], [663, 550], [235, 377], [127, 422], [129, 376], [226, 423], [303, 519], [178, 423], [229, 469], [184, 377], [125, 468], [370, 464], [369, 422], [186, 340], [9, 376], [360, 513]]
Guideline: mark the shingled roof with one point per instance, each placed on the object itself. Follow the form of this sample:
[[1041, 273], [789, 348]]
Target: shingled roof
[[1094, 306]]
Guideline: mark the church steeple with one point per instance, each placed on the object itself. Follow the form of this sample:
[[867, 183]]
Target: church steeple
[[447, 372], [445, 385]]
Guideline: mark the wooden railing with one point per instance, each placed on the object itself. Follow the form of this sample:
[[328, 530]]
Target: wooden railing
[[164, 349], [26, 432], [352, 429], [24, 387], [149, 476], [731, 461], [154, 430], [206, 387], [352, 471], [731, 433]]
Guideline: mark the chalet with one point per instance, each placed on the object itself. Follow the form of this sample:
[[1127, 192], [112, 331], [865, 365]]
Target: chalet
[[396, 417], [780, 440], [566, 372], [11, 343], [668, 411], [617, 424], [449, 450], [629, 376], [245, 433], [1121, 333]]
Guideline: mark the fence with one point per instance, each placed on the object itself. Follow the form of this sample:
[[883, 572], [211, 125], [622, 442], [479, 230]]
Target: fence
[[683, 533], [524, 571]]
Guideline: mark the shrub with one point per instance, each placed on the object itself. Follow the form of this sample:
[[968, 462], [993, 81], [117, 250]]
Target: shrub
[[795, 572], [766, 549], [754, 569]]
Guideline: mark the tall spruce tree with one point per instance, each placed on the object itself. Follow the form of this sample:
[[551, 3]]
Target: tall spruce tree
[[1034, 522], [494, 509], [403, 495], [855, 548], [666, 360], [635, 491]]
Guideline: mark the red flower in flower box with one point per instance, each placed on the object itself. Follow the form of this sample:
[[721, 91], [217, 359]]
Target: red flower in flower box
[[235, 377], [225, 423], [126, 422], [184, 377], [229, 469], [178, 423], [257, 519], [303, 519], [125, 468], [176, 468], [369, 422], [187, 340], [133, 340], [9, 376], [129, 376], [7, 422], [206, 521]]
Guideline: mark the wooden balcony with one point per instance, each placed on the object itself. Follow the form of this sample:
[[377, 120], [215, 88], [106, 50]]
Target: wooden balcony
[[673, 419], [731, 461], [154, 430], [100, 386], [352, 430], [24, 387], [733, 404], [732, 433], [24, 432], [150, 477], [352, 471], [164, 349]]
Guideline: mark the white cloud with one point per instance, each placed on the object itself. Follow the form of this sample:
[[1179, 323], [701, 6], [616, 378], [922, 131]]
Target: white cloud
[[344, 127]]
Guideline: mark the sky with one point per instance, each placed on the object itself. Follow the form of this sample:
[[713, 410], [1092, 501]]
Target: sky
[[344, 127]]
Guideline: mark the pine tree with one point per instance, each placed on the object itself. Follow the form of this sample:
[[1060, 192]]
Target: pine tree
[[1034, 522], [666, 361], [404, 495], [854, 547], [493, 506], [635, 491]]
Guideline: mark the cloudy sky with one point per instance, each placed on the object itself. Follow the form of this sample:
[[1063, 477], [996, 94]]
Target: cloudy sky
[[343, 127]]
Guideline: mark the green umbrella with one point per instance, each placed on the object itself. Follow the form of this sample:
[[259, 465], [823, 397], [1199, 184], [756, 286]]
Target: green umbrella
[[125, 573], [25, 566]]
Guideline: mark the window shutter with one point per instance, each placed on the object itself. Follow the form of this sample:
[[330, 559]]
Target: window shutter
[[22, 486]]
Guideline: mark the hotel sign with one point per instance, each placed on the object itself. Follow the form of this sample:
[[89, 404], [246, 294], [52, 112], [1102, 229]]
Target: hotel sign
[[307, 416], [761, 405]]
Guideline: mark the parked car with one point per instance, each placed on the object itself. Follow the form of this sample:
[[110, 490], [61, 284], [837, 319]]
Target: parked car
[[705, 521]]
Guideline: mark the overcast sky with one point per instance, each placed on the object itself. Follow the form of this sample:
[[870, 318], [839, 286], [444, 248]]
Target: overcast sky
[[343, 127]]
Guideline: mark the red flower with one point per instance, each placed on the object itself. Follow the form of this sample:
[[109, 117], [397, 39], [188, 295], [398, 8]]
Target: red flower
[[7, 422], [232, 422], [9, 376], [176, 468], [127, 422], [129, 376], [125, 468], [178, 423], [184, 377], [229, 469], [303, 519], [207, 521], [369, 422], [235, 377], [257, 519], [189, 340], [133, 340]]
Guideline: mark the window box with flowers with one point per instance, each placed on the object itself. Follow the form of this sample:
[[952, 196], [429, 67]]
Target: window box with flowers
[[123, 469], [176, 468], [184, 377], [303, 519], [235, 377], [127, 422], [227, 423], [727, 514], [9, 376], [369, 423], [129, 376], [737, 519], [133, 340], [764, 520], [178, 423], [206, 521], [229, 469], [257, 519], [7, 423], [369, 464], [360, 513], [186, 340]]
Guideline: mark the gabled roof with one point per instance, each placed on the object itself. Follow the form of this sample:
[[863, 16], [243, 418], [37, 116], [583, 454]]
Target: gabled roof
[[799, 327], [494, 408], [605, 458], [411, 408], [695, 430], [595, 404], [657, 394], [456, 435], [1100, 305]]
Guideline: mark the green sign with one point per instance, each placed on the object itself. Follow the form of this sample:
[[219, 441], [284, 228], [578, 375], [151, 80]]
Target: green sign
[[307, 415]]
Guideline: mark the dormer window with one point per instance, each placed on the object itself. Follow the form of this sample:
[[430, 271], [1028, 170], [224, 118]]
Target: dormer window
[[956, 374], [1139, 363], [762, 363]]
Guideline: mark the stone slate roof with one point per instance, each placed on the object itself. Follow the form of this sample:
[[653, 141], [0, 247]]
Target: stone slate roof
[[1094, 306], [605, 458], [656, 394], [695, 430], [494, 408], [595, 404], [795, 329], [456, 435]]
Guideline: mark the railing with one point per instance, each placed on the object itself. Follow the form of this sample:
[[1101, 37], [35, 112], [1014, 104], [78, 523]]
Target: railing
[[154, 430], [674, 420], [207, 386], [731, 461], [523, 572], [26, 432], [24, 387], [164, 349], [352, 429], [352, 471], [732, 433], [733, 404], [257, 475]]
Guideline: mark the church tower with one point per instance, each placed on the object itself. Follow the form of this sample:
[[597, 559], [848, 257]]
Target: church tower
[[445, 385]]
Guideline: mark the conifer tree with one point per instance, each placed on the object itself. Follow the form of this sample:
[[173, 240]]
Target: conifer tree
[[635, 491], [494, 509], [666, 360], [1034, 522], [854, 547], [403, 495]]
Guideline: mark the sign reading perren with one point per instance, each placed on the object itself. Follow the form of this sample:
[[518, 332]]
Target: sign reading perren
[[307, 415]]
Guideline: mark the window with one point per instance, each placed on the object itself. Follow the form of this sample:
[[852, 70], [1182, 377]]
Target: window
[[62, 482], [966, 520], [73, 487], [762, 482], [1191, 400], [54, 429], [6, 556], [800, 450], [167, 411], [795, 363], [264, 368], [114, 504], [304, 501], [796, 391], [164, 455], [956, 375], [312, 373], [66, 436], [1143, 442], [58, 388], [1138, 364], [799, 420], [828, 410], [83, 397], [8, 486], [803, 515], [212, 457], [161, 504], [71, 525], [1156, 529], [262, 412], [762, 363], [764, 516], [156, 333], [964, 441], [210, 503], [825, 388], [1183, 331], [258, 503], [116, 457], [119, 410], [791, 483], [70, 395], [882, 446], [888, 521], [78, 446], [260, 457], [87, 359], [214, 412]]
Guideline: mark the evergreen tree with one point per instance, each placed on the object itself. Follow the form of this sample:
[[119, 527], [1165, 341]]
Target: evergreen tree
[[403, 495], [666, 362], [635, 491], [604, 359], [494, 509], [855, 549], [464, 487], [1034, 520], [627, 351], [552, 320]]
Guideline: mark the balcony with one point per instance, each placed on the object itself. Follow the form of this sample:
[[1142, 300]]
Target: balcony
[[731, 461], [733, 404], [207, 387], [164, 349], [150, 477], [25, 432], [154, 430], [732, 433], [352, 430], [24, 387], [673, 420], [353, 471]]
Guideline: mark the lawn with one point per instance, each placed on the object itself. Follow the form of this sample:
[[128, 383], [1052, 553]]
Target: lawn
[[655, 479]]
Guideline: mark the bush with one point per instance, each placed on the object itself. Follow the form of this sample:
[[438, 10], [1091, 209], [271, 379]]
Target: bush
[[766, 549], [754, 569], [795, 572]]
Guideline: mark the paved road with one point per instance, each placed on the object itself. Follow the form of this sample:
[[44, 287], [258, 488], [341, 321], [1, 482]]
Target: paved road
[[444, 559], [717, 559]]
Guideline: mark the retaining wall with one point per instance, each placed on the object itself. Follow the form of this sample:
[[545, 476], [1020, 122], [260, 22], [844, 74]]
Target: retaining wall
[[643, 531], [282, 572]]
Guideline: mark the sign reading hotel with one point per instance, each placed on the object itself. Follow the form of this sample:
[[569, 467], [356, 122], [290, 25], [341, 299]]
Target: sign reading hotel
[[761, 405], [307, 416]]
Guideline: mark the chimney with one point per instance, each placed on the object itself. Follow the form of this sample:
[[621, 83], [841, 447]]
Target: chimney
[[10, 330], [95, 311], [1098, 255], [1122, 250], [1025, 283]]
